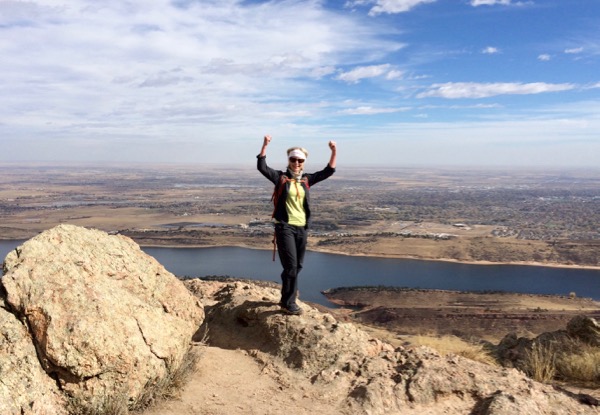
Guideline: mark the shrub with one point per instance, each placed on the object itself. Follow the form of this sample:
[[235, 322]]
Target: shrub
[[574, 361], [169, 386], [540, 362], [581, 363]]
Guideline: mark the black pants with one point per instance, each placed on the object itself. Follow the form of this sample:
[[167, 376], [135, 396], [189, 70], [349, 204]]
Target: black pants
[[291, 244]]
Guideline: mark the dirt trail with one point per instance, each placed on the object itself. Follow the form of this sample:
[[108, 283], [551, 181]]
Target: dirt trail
[[234, 383]]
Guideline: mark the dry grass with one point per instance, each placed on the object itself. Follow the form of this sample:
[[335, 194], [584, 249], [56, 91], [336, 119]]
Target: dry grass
[[171, 385], [446, 345], [114, 404], [540, 362], [573, 362], [156, 390], [580, 362]]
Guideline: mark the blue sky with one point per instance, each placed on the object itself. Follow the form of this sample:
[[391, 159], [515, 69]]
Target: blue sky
[[394, 82]]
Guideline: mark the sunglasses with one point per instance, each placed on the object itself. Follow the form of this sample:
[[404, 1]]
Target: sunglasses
[[295, 160]]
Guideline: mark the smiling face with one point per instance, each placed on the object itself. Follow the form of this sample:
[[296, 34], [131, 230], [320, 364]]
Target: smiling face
[[296, 158], [295, 164]]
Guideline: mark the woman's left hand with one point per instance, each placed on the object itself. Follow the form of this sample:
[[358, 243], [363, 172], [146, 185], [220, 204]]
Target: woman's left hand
[[332, 145]]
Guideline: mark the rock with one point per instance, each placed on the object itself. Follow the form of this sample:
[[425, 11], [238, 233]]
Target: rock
[[247, 316], [586, 329], [366, 375], [24, 386], [106, 319]]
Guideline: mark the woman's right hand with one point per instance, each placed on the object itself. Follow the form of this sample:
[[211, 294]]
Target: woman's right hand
[[267, 140]]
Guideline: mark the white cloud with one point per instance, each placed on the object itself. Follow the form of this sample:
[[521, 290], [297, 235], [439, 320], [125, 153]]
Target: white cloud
[[322, 71], [490, 50], [460, 107], [354, 3], [388, 6], [544, 57], [574, 51], [116, 66], [363, 72], [476, 3], [394, 75], [453, 90], [368, 110]]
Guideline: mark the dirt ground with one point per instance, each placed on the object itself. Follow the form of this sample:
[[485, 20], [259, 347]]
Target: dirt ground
[[231, 382]]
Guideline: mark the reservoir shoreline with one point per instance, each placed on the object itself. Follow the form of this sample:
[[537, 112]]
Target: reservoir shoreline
[[365, 255], [387, 256]]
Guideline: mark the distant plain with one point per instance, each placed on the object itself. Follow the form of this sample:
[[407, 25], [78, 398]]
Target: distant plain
[[547, 217]]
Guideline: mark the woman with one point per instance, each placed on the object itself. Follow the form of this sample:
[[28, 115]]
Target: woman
[[292, 214]]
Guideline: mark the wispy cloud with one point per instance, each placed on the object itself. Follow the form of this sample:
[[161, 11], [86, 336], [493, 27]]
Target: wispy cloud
[[461, 107], [388, 6], [368, 110], [476, 3], [372, 71], [454, 90], [574, 51], [544, 57], [490, 50], [113, 61]]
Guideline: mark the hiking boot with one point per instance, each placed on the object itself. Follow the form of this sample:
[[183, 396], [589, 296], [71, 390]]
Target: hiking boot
[[293, 309]]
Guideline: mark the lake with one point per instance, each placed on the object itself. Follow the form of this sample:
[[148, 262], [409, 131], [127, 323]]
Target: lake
[[322, 271]]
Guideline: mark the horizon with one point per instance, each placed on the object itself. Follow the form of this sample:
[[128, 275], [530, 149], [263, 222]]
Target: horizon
[[423, 83], [280, 164]]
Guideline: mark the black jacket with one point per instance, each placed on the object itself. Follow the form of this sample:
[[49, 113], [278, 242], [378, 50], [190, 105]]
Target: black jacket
[[274, 176]]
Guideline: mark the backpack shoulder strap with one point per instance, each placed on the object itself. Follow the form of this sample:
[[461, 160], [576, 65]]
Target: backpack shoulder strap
[[283, 179], [305, 181]]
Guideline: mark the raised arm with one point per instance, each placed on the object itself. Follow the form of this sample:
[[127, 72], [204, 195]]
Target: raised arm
[[261, 163], [263, 150], [332, 159]]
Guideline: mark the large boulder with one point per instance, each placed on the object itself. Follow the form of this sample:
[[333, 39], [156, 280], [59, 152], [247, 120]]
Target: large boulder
[[363, 375], [106, 319], [24, 386]]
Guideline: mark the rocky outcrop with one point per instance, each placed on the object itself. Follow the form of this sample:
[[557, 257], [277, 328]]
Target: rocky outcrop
[[93, 317], [366, 375], [567, 354], [513, 350]]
